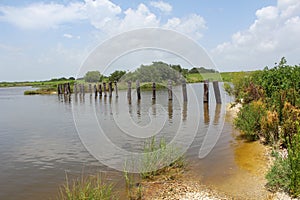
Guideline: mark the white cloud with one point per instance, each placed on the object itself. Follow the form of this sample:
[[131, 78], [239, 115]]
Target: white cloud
[[41, 15], [274, 33], [104, 15], [192, 25], [70, 36], [163, 6], [66, 35]]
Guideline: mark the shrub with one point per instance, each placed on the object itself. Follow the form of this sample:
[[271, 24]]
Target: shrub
[[270, 127], [249, 119], [294, 162], [291, 115], [278, 175]]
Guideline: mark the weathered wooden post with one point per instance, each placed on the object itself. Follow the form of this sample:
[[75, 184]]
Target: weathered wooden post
[[170, 93], [95, 91], [153, 90], [104, 89], [184, 92], [65, 88], [100, 90], [110, 89], [129, 92], [75, 88], [83, 89], [116, 88], [206, 91], [217, 92], [69, 88], [80, 88], [138, 90], [90, 89], [58, 89], [206, 113]]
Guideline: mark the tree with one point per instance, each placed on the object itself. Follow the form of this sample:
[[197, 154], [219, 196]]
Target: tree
[[92, 76], [116, 75]]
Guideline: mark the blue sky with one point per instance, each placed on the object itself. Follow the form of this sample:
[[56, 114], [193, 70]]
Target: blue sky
[[44, 39]]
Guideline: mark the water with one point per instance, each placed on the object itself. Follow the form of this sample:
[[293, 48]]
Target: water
[[39, 140]]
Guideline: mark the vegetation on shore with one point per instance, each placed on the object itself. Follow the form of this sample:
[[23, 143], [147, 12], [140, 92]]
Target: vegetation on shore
[[86, 187], [158, 72], [271, 113]]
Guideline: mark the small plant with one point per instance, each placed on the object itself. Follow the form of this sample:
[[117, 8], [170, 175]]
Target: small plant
[[90, 187]]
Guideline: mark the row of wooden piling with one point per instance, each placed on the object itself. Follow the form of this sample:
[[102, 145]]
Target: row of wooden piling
[[102, 90], [98, 89], [64, 88]]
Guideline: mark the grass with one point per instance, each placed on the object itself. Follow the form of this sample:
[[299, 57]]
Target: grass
[[160, 158], [86, 188]]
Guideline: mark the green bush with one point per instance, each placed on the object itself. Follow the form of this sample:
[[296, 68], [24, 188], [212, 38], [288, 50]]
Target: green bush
[[249, 119], [278, 175], [294, 162]]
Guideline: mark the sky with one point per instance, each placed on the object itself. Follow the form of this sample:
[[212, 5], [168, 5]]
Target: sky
[[40, 40]]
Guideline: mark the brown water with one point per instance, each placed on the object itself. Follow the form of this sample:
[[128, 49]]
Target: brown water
[[39, 141]]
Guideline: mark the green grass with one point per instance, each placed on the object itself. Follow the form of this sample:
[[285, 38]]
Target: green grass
[[160, 158], [86, 188]]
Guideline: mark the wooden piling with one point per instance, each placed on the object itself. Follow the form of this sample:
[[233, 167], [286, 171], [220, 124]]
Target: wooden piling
[[138, 90], [100, 90], [59, 90], [184, 92], [170, 93], [116, 88], [217, 92], [90, 89], [95, 91], [69, 88], [110, 89], [75, 88], [153, 90], [129, 92], [83, 89], [206, 91], [104, 89]]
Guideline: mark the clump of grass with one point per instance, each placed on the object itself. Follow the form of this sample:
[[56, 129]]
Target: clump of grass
[[84, 188], [160, 158]]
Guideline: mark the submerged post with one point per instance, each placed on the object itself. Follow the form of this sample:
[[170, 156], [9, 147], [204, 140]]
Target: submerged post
[[184, 92], [69, 88], [138, 90], [90, 89], [129, 92], [110, 89], [104, 89], [116, 88], [100, 90], [170, 93], [83, 89], [206, 91], [95, 91], [217, 92], [75, 88], [153, 90]]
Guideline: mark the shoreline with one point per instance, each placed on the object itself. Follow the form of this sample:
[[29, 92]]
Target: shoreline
[[246, 182]]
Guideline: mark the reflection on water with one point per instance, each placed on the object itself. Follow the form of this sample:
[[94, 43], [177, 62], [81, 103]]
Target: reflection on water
[[39, 140]]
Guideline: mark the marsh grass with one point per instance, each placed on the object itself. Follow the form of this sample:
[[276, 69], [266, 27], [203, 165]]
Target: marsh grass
[[86, 188], [160, 159]]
